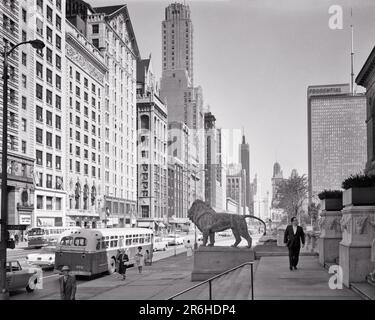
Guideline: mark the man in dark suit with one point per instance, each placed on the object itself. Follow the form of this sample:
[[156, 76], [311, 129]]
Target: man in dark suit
[[68, 285], [293, 237]]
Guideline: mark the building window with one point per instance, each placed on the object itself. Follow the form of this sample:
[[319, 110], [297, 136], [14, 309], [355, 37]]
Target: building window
[[58, 203], [24, 81], [58, 82], [58, 102], [24, 15], [58, 142], [49, 181], [39, 135], [49, 76], [49, 14], [78, 76], [58, 162], [58, 122], [95, 28], [39, 202], [49, 35], [39, 27], [49, 55], [24, 59], [58, 22], [39, 113], [86, 169], [49, 160], [23, 146], [39, 157], [58, 62], [39, 91], [39, 70], [78, 167], [49, 97], [49, 118], [24, 124], [58, 4], [95, 42], [49, 139], [49, 202]]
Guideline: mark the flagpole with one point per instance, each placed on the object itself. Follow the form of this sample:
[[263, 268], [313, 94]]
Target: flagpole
[[352, 53]]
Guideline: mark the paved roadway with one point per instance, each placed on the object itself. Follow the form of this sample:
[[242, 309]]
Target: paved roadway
[[51, 285]]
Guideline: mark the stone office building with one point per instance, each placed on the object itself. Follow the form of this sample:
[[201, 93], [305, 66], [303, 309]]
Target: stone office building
[[86, 70], [152, 148], [15, 28]]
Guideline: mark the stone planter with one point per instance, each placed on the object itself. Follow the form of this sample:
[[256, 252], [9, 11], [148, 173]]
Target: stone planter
[[358, 232], [330, 236], [359, 197], [334, 204]]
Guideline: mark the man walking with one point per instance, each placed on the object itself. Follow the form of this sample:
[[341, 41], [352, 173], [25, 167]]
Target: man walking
[[293, 237], [68, 285]]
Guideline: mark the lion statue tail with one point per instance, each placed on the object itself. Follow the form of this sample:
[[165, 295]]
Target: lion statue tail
[[259, 219]]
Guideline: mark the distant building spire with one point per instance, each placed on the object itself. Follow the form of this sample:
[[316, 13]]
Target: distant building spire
[[243, 136]]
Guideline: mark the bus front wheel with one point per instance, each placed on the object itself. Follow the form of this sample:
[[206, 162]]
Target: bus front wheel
[[112, 266]]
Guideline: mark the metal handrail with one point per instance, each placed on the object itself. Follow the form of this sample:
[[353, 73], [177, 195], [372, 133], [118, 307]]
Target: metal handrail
[[209, 281]]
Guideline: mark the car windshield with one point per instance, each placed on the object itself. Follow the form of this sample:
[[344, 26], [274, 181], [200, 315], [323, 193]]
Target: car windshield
[[48, 250]]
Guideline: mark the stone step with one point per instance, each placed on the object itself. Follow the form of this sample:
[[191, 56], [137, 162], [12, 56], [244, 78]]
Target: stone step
[[244, 288], [260, 254], [229, 289], [364, 289]]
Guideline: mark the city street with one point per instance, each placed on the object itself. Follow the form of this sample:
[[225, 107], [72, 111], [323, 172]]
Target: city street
[[50, 277]]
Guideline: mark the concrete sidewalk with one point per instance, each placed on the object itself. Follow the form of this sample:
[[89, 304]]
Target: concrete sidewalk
[[274, 281]]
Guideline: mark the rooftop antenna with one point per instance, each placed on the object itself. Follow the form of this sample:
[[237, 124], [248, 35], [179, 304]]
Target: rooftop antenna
[[352, 54]]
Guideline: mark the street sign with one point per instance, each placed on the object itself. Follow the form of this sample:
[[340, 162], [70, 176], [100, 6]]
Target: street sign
[[16, 227]]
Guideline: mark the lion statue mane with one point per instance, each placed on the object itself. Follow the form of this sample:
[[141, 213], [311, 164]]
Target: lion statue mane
[[208, 221]]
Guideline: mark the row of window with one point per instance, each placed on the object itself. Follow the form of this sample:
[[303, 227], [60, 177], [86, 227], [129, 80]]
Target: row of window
[[39, 139], [49, 117], [49, 156], [40, 200], [78, 166], [48, 96]]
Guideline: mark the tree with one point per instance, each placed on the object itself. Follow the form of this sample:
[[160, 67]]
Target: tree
[[313, 212], [291, 195]]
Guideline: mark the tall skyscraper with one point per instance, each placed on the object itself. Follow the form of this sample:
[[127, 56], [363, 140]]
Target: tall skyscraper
[[184, 101], [177, 39], [245, 162], [336, 136]]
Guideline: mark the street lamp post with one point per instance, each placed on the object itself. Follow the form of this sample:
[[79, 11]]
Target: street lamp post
[[36, 44]]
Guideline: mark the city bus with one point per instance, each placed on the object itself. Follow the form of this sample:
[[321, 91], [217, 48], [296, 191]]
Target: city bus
[[44, 236], [93, 251]]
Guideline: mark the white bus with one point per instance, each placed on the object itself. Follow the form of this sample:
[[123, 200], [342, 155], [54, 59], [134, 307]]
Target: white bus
[[93, 251], [44, 236]]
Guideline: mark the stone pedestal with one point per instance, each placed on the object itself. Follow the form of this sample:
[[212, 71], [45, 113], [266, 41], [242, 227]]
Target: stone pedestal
[[357, 224], [280, 236], [330, 236], [210, 261]]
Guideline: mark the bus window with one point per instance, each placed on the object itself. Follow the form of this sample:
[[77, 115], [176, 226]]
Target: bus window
[[121, 242], [66, 241], [135, 240], [113, 243], [98, 245], [128, 242], [78, 241], [141, 239]]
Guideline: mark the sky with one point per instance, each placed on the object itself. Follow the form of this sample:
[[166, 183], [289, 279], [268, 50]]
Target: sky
[[255, 59]]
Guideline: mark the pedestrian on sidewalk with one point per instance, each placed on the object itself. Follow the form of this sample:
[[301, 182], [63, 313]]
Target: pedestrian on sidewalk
[[189, 249], [293, 237], [148, 258], [68, 284], [122, 260], [16, 239], [139, 259]]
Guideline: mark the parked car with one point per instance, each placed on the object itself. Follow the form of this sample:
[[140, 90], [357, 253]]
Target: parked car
[[174, 239], [160, 244], [22, 277], [45, 258]]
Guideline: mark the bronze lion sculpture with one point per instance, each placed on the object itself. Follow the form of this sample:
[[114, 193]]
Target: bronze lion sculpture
[[208, 222]]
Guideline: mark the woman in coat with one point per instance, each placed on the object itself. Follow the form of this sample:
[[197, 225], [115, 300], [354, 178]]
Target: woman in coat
[[122, 263]]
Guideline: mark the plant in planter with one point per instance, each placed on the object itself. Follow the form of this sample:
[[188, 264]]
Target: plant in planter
[[359, 190], [331, 200]]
